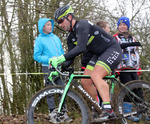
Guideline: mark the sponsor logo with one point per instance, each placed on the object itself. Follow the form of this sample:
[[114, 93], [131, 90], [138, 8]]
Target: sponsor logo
[[51, 91], [81, 88]]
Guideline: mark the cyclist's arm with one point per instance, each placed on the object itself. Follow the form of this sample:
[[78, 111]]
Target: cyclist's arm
[[82, 31], [66, 64]]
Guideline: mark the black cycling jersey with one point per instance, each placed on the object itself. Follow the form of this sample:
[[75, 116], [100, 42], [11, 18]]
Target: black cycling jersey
[[87, 55], [87, 35]]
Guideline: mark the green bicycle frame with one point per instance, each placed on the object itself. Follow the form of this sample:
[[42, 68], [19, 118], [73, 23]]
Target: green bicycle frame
[[72, 76]]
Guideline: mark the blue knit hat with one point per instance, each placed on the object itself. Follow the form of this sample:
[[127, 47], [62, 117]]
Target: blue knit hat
[[124, 20]]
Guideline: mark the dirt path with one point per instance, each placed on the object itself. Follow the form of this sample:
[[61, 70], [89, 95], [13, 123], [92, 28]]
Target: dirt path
[[20, 119], [14, 119]]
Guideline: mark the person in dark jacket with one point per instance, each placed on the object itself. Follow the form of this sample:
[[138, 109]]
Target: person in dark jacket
[[82, 35]]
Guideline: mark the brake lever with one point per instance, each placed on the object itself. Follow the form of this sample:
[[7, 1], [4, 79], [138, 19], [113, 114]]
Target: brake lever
[[50, 67], [57, 69]]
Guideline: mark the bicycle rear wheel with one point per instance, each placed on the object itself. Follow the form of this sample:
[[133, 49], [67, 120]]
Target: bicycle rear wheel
[[127, 103], [37, 109]]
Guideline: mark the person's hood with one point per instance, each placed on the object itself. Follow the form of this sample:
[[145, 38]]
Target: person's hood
[[42, 22]]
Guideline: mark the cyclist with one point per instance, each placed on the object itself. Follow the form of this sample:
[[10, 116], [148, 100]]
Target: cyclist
[[87, 55], [107, 53]]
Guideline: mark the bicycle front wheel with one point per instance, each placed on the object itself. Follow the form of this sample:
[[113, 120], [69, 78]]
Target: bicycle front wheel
[[37, 109], [126, 102]]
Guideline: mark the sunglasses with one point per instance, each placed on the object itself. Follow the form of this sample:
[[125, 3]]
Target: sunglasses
[[61, 20]]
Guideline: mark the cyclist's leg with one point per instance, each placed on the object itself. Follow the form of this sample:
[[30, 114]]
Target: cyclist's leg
[[106, 62], [97, 76], [87, 71], [88, 83]]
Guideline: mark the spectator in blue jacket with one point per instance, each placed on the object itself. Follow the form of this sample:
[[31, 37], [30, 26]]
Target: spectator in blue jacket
[[47, 45]]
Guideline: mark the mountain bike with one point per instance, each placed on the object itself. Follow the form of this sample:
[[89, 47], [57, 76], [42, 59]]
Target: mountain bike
[[79, 103]]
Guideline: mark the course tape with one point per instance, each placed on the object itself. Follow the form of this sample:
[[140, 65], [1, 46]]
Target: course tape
[[122, 71], [74, 72], [22, 73]]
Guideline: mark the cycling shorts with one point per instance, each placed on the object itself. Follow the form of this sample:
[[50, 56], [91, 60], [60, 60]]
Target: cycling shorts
[[109, 59]]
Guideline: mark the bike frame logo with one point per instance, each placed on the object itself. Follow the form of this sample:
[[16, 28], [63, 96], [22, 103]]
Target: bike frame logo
[[51, 91], [81, 88]]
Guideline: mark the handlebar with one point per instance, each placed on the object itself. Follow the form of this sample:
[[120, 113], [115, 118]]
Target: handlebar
[[124, 45], [55, 73], [66, 72]]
